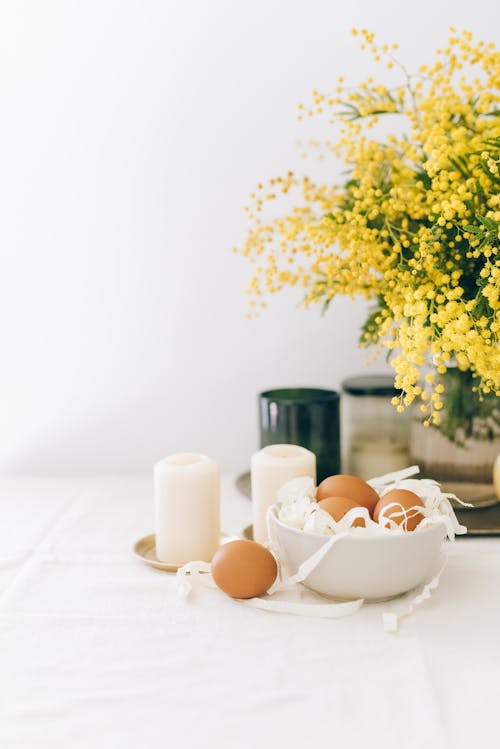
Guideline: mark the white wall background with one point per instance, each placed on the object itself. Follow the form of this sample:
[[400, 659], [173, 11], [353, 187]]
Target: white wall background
[[132, 132]]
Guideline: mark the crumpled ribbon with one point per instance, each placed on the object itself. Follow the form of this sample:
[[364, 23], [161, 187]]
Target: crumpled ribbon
[[391, 619]]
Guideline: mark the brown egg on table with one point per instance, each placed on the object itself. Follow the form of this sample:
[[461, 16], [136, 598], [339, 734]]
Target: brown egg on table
[[403, 513], [350, 487], [244, 569], [337, 507]]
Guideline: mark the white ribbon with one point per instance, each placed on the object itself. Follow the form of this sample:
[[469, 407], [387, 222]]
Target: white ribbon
[[391, 619], [318, 610], [193, 569], [394, 476]]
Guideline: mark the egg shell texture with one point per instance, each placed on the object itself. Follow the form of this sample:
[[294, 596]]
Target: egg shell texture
[[406, 500], [350, 487], [337, 507], [244, 569]]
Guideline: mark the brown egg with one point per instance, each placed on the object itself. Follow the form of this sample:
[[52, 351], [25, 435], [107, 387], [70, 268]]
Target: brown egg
[[244, 569], [337, 508], [406, 500], [350, 487]]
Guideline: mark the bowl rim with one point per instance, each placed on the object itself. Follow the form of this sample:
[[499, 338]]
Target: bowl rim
[[362, 538]]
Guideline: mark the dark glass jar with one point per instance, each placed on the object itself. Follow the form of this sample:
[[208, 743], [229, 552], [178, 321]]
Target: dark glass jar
[[309, 417]]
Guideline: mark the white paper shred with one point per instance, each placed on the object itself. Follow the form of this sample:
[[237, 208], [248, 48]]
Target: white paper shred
[[391, 619], [317, 610], [198, 572], [297, 507], [296, 489]]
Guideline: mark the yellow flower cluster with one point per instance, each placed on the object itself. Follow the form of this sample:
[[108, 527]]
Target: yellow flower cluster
[[416, 227]]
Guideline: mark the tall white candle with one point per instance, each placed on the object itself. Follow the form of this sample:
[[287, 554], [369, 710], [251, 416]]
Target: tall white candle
[[272, 467], [187, 525]]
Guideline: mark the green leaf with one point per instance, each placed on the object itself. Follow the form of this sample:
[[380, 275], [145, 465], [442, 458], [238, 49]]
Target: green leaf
[[458, 166], [488, 222], [325, 306], [487, 171]]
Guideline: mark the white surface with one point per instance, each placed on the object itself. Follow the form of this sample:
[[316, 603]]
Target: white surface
[[96, 650], [132, 133]]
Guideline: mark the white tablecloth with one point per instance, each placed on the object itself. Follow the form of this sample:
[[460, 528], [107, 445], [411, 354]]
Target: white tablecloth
[[97, 650]]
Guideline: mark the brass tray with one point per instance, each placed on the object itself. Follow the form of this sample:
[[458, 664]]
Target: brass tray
[[145, 549], [484, 521]]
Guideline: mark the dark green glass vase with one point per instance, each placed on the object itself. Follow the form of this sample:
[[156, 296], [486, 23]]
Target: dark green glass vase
[[309, 417]]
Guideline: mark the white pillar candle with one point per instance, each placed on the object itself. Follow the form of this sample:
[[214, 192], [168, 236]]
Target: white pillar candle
[[187, 525], [272, 467]]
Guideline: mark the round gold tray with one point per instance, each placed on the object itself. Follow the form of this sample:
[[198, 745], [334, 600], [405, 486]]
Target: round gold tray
[[145, 549]]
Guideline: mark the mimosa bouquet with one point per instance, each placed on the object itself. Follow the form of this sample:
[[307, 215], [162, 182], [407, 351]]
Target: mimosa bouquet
[[414, 228]]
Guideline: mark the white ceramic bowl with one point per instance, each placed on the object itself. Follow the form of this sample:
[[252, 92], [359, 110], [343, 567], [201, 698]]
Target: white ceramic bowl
[[369, 567]]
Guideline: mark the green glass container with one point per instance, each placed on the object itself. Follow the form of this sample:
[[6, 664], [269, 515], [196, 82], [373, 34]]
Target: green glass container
[[309, 417]]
